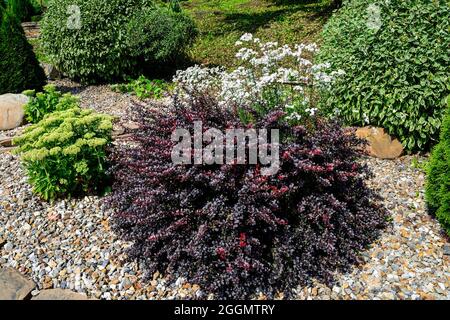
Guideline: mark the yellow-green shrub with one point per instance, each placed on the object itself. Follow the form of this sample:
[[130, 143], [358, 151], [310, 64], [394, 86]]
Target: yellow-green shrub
[[64, 154]]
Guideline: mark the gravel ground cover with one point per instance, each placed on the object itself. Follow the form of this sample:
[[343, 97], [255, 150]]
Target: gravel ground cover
[[69, 244], [100, 98]]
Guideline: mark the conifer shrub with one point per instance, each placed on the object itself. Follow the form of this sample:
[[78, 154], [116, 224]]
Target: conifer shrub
[[396, 59], [19, 68], [228, 227], [65, 153], [23, 10], [438, 180]]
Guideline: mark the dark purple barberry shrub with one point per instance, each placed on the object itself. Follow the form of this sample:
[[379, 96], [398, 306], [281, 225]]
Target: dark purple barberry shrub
[[232, 230]]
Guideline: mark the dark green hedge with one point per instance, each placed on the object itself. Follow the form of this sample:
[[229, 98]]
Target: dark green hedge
[[23, 10], [438, 181], [19, 68]]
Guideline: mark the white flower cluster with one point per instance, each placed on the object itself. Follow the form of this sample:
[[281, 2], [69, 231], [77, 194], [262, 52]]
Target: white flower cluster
[[199, 79], [269, 74]]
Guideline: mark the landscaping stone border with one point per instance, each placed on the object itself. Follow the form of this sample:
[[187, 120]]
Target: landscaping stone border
[[15, 286]]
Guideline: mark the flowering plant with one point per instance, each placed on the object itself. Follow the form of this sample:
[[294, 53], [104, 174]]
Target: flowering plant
[[269, 76], [65, 153]]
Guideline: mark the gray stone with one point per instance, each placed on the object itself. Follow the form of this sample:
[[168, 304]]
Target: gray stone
[[51, 72], [8, 246], [118, 130], [14, 286], [131, 126], [447, 249], [5, 141], [12, 110], [59, 294]]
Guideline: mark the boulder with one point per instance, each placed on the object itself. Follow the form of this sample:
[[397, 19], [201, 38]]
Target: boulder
[[380, 144], [59, 294], [14, 286], [12, 110]]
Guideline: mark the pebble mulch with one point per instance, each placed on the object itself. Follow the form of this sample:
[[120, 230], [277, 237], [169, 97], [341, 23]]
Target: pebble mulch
[[69, 245], [411, 260], [100, 98]]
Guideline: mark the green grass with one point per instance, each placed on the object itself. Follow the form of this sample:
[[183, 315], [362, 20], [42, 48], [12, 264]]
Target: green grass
[[222, 22]]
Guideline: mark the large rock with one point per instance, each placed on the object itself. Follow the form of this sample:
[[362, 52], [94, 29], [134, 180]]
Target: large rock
[[12, 110], [59, 294], [380, 144], [13, 285]]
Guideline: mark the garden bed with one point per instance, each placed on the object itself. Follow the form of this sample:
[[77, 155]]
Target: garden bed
[[98, 197], [69, 244]]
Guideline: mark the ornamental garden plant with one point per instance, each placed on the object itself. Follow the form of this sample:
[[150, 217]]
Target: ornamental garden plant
[[108, 40], [24, 10], [48, 101], [144, 88], [396, 64], [231, 229], [438, 183], [65, 153], [19, 67], [269, 76], [228, 227]]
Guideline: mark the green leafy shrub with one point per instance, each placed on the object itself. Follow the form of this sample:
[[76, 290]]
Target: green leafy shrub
[[50, 100], [143, 88], [396, 58], [160, 35], [94, 44], [64, 154], [19, 68], [438, 181]]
